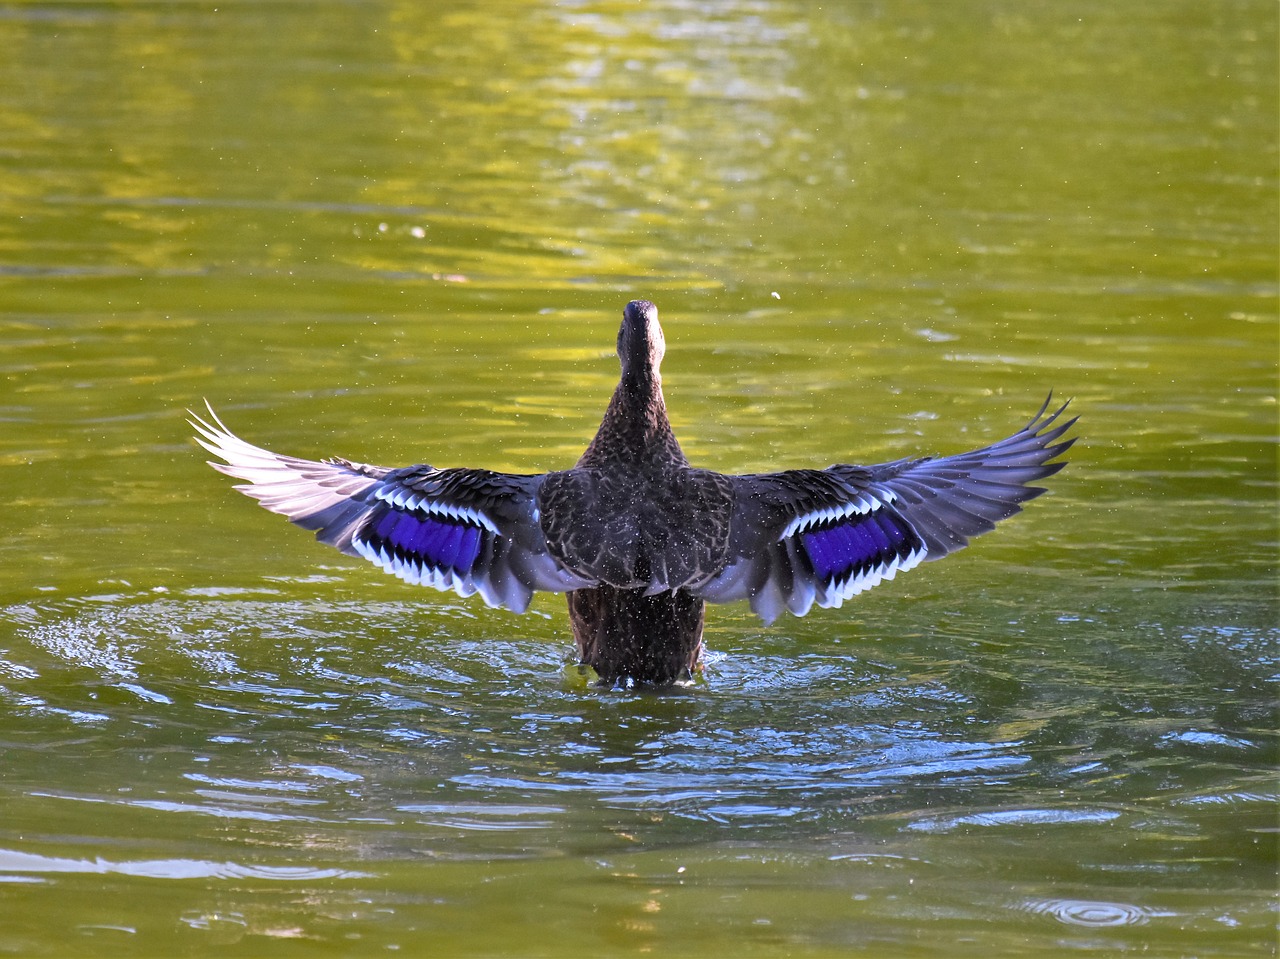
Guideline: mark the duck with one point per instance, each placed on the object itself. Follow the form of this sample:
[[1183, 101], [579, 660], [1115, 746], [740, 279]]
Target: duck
[[637, 538]]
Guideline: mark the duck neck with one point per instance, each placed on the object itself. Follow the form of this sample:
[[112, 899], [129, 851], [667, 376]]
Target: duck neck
[[635, 428]]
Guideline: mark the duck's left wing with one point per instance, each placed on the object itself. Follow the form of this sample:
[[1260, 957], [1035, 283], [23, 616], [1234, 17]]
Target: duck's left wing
[[821, 536], [466, 530]]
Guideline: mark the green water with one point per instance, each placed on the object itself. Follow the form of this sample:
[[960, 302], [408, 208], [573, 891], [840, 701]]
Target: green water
[[404, 232]]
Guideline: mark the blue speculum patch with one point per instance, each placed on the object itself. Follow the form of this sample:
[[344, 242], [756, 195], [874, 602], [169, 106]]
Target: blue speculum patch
[[436, 541], [862, 542]]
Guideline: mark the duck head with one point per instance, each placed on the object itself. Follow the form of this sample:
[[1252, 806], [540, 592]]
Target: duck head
[[641, 344]]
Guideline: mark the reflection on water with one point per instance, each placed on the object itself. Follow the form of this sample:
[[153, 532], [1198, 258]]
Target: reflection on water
[[403, 234]]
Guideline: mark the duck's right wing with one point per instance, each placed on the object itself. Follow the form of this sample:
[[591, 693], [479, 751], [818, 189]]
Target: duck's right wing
[[466, 530], [822, 536]]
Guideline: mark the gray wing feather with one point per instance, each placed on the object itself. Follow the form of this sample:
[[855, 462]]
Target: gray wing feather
[[952, 499], [822, 536], [463, 530]]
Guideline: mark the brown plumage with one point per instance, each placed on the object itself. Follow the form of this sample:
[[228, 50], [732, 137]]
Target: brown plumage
[[639, 539]]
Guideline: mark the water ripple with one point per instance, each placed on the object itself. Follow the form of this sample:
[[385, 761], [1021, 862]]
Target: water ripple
[[1015, 817], [1093, 913], [13, 861]]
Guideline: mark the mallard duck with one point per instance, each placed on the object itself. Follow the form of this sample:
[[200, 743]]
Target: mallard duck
[[640, 540]]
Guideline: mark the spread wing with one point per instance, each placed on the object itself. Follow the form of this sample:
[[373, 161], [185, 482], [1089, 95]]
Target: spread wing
[[822, 536], [466, 530]]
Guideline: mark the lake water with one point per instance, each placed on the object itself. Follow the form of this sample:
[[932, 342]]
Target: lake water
[[404, 233]]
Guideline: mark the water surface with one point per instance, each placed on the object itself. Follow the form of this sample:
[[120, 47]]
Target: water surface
[[403, 234]]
